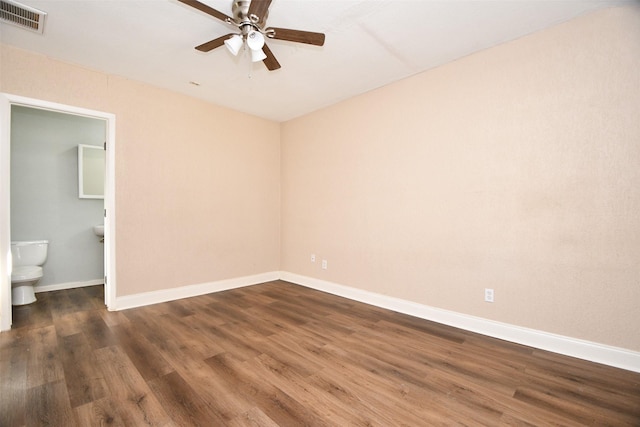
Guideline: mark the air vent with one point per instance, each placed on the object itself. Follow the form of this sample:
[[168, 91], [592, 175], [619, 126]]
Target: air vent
[[22, 16]]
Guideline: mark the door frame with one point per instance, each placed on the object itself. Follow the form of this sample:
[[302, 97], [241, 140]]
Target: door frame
[[6, 102]]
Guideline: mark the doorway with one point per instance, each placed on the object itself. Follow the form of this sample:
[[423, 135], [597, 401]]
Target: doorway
[[6, 103]]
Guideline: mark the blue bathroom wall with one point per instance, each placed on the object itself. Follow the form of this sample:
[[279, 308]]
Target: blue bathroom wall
[[44, 193]]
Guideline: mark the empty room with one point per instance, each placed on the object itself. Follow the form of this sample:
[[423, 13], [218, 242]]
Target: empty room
[[322, 213]]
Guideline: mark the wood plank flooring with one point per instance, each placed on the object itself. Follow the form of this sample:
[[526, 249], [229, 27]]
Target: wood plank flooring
[[278, 354]]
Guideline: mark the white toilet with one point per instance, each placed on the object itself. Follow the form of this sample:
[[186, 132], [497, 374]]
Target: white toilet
[[27, 258]]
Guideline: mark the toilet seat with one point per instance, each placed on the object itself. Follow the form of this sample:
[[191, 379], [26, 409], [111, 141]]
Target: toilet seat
[[26, 273]]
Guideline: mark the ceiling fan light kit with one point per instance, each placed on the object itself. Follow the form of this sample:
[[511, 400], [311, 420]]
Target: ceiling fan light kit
[[249, 16], [234, 43], [257, 55], [255, 40]]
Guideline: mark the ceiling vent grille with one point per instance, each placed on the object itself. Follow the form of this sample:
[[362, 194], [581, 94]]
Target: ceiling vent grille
[[22, 16]]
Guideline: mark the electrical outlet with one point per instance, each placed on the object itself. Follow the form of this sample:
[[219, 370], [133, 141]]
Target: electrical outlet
[[324, 264], [488, 295], [313, 257]]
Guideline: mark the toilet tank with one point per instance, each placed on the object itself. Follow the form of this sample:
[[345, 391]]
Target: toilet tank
[[29, 253]]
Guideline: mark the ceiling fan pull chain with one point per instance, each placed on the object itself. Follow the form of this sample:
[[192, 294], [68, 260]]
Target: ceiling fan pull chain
[[250, 73]]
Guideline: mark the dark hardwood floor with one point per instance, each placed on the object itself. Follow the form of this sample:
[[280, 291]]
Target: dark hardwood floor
[[278, 354]]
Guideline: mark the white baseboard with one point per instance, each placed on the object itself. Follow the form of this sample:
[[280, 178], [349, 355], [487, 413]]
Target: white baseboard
[[155, 297], [582, 349], [68, 285], [587, 350]]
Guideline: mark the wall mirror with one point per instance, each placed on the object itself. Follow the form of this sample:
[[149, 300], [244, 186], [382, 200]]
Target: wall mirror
[[91, 169]]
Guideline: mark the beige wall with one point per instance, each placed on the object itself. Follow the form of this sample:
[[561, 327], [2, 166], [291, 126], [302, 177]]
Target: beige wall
[[195, 201], [517, 169]]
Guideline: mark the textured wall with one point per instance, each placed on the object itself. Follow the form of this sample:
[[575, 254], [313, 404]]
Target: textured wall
[[516, 169], [196, 200]]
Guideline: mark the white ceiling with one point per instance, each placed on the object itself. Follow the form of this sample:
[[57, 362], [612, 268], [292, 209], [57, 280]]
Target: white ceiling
[[368, 44]]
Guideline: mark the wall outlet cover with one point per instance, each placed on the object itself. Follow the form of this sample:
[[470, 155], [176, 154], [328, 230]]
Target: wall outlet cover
[[488, 295]]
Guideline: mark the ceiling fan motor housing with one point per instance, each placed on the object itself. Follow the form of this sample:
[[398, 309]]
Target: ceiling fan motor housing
[[240, 13]]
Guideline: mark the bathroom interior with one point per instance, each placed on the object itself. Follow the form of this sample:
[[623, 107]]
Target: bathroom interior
[[57, 201]]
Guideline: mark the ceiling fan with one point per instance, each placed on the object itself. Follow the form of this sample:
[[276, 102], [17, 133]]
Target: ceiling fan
[[250, 16]]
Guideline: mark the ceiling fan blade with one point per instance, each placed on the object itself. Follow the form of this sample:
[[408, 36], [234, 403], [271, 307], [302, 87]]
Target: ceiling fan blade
[[259, 8], [210, 45], [270, 61], [206, 9], [297, 36]]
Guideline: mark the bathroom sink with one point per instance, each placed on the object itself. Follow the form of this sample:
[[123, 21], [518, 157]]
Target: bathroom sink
[[99, 230]]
